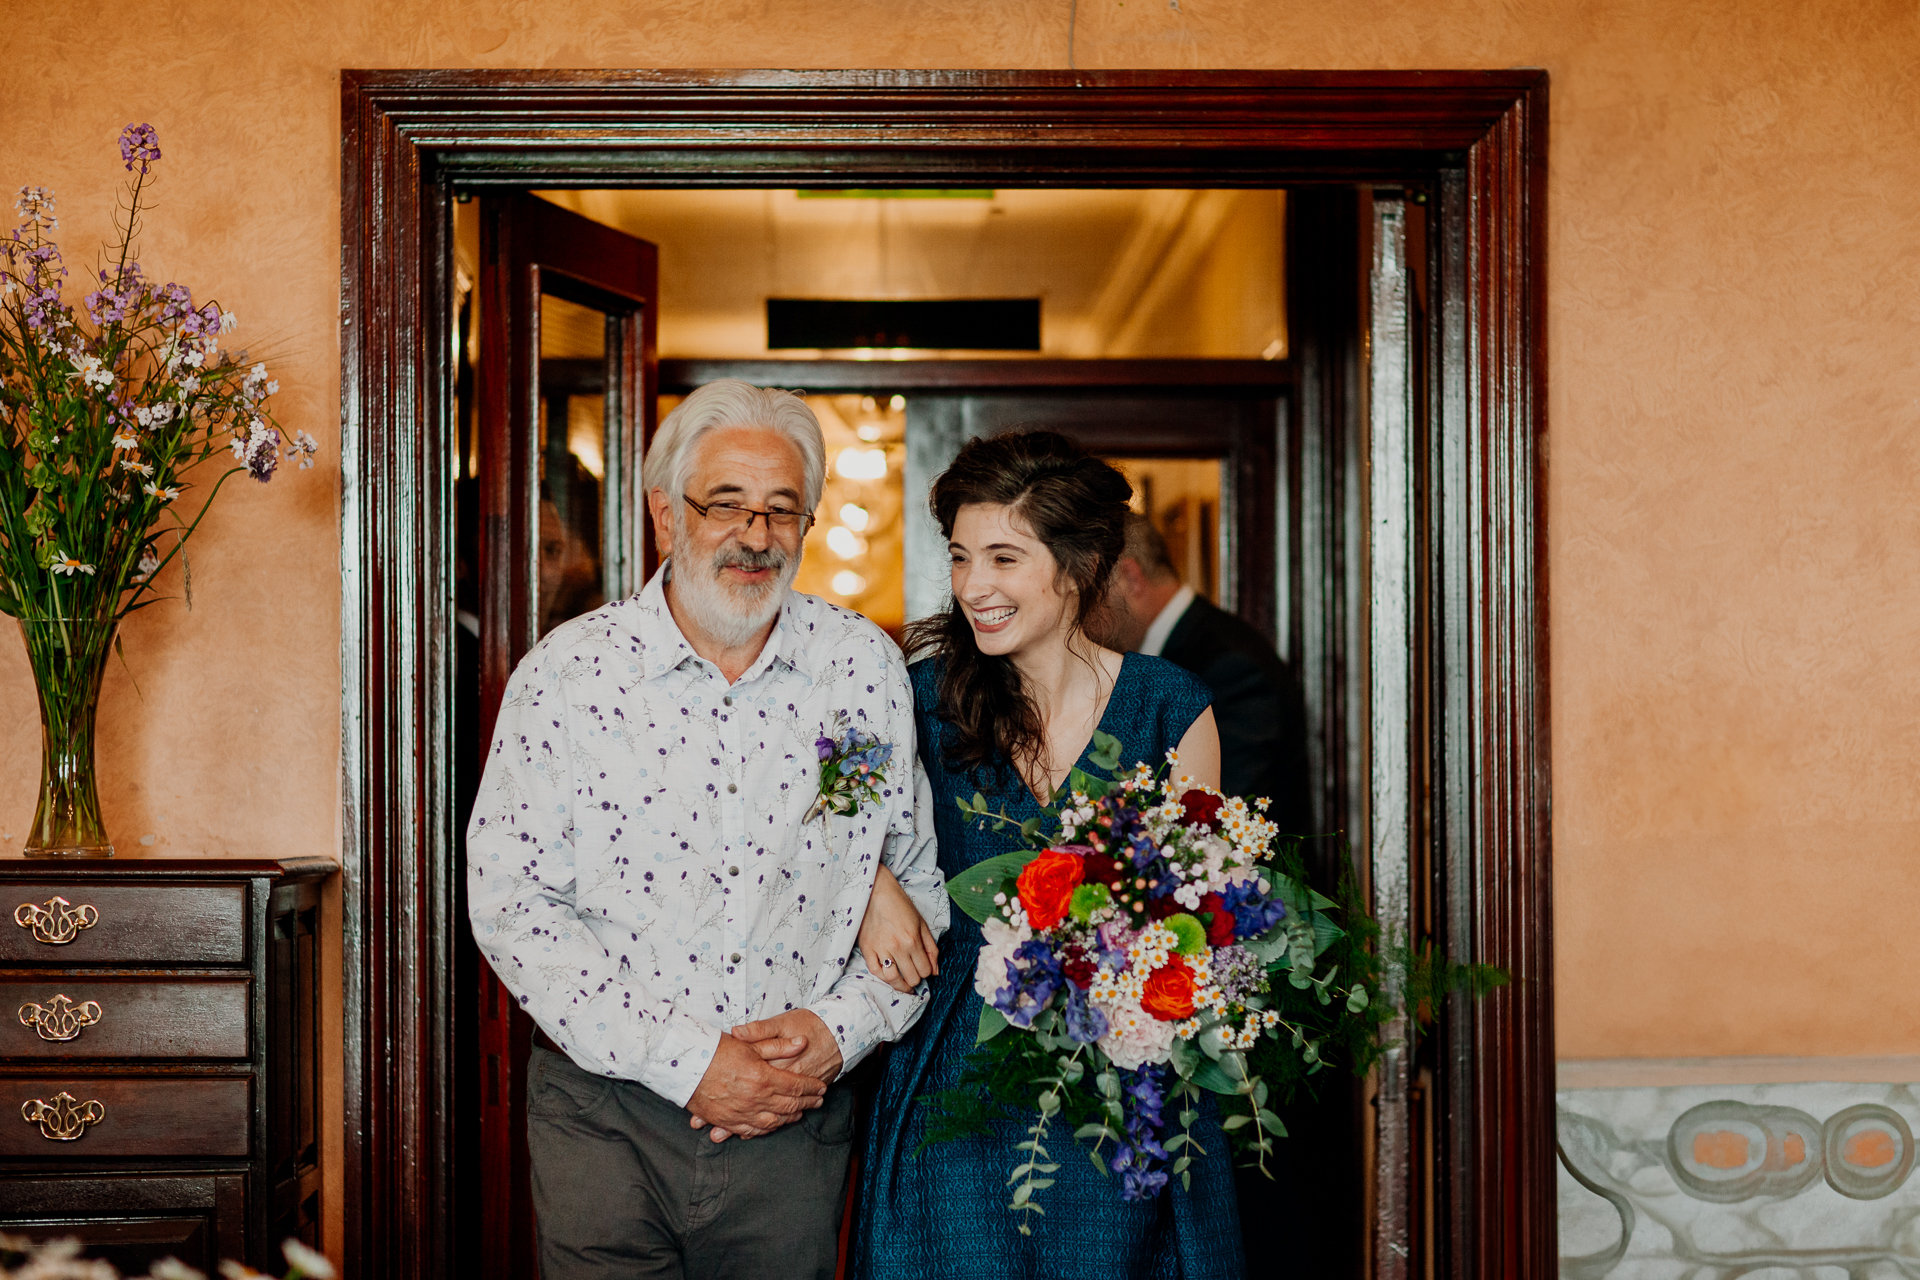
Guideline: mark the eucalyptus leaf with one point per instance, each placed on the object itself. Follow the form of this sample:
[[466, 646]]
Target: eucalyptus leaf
[[992, 1023]]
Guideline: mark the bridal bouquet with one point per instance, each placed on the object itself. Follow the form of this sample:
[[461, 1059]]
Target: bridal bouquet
[[1135, 957]]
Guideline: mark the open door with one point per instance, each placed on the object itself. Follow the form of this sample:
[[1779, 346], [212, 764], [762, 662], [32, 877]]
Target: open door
[[565, 394]]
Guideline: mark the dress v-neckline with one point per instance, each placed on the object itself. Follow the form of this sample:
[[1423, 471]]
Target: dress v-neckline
[[1080, 761]]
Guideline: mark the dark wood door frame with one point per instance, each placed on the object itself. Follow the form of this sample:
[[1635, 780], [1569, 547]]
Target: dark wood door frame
[[1477, 140]]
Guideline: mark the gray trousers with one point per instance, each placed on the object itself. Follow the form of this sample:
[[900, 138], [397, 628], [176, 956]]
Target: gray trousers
[[623, 1187]]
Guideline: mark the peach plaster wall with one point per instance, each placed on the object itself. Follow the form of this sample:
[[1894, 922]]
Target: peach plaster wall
[[1734, 262]]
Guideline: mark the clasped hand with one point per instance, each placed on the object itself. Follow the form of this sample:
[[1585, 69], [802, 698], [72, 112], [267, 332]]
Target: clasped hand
[[766, 1074]]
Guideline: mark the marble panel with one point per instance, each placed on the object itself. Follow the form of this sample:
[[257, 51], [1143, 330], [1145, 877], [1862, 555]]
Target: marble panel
[[1808, 1181]]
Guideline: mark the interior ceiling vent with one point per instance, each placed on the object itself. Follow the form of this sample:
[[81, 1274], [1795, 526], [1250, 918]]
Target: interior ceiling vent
[[974, 324]]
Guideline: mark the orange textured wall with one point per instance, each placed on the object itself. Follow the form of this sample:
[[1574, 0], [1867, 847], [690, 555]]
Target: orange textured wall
[[1734, 268]]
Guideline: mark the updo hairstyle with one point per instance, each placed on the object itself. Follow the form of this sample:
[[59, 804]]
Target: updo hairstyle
[[1074, 504]]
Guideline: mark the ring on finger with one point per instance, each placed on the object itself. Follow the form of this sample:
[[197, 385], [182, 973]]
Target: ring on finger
[[887, 963]]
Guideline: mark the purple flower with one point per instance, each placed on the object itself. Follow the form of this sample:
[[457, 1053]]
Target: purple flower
[[824, 746], [263, 453], [1253, 912], [1142, 1102], [1033, 975], [139, 144], [1085, 1022], [1237, 972]]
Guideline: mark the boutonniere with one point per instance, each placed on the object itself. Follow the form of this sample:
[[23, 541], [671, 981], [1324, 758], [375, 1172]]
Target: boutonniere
[[852, 768]]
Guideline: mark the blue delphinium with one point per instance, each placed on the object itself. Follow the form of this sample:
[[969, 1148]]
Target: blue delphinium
[[1033, 975], [1085, 1022], [1142, 1100], [1253, 912]]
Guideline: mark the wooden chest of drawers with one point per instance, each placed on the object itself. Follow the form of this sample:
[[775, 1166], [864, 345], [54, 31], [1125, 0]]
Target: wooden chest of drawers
[[159, 1069]]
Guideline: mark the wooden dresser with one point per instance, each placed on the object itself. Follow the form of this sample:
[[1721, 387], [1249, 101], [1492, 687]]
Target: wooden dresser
[[159, 1068]]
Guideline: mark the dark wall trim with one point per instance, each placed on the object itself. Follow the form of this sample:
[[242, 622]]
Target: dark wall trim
[[1479, 138]]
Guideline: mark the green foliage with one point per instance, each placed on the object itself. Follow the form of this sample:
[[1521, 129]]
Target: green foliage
[[1351, 1032]]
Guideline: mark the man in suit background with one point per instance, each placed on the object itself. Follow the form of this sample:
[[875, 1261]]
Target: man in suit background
[[1256, 700]]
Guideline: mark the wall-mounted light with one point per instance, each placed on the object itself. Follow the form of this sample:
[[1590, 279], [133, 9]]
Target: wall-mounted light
[[848, 583], [855, 517]]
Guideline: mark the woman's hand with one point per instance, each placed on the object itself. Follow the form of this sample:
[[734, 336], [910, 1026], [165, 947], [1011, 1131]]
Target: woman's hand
[[897, 943]]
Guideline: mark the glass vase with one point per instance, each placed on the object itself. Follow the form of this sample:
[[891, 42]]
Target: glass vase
[[68, 657]]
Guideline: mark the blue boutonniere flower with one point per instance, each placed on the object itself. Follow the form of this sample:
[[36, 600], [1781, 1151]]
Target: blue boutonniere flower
[[852, 768]]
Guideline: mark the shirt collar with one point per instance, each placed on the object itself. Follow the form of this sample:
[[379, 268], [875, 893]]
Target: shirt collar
[[664, 647], [1164, 622]]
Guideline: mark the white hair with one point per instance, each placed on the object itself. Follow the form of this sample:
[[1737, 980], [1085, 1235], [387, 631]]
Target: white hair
[[732, 403]]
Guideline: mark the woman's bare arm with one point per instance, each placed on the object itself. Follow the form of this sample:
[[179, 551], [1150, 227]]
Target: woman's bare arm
[[893, 931], [1200, 751]]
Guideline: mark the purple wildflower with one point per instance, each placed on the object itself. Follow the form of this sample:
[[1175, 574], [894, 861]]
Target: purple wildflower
[[824, 746], [139, 144], [263, 453]]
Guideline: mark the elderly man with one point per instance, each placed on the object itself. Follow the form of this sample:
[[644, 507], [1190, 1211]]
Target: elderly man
[[650, 874]]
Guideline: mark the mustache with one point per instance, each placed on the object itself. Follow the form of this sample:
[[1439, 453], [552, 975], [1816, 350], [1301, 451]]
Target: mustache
[[738, 557]]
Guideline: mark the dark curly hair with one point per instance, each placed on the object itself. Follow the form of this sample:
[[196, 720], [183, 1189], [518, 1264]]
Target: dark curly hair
[[1076, 505]]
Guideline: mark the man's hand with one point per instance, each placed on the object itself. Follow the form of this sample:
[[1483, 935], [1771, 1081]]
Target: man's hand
[[744, 1093], [821, 1056]]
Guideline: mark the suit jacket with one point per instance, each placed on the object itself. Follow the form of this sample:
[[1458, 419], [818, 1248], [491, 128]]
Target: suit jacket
[[1257, 704]]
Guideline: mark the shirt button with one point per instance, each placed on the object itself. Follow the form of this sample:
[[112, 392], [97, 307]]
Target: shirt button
[[736, 957], [733, 871], [727, 701], [731, 788]]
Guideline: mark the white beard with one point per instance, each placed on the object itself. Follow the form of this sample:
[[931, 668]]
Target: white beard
[[731, 615]]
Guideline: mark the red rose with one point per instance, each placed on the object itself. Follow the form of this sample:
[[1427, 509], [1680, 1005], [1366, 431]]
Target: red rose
[[1078, 968], [1161, 908], [1100, 869], [1046, 886], [1220, 925], [1202, 809], [1168, 994]]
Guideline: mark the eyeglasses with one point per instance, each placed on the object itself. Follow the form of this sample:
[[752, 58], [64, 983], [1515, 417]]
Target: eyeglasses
[[734, 518]]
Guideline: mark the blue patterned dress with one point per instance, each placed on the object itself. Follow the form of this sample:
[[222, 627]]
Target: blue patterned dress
[[943, 1214]]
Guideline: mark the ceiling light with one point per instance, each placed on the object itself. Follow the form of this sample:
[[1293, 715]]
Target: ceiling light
[[868, 431], [861, 464], [848, 583], [845, 543], [897, 403], [855, 517]]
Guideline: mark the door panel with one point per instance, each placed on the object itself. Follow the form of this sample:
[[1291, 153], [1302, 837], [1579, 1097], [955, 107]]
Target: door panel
[[565, 392]]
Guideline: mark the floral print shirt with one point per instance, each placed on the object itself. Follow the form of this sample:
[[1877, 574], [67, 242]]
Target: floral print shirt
[[639, 873]]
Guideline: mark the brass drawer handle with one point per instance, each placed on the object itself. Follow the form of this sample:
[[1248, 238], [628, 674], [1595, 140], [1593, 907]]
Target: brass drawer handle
[[57, 923], [65, 1118], [59, 1018]]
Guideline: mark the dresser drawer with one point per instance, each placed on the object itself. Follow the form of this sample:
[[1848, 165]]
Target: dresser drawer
[[97, 1117], [86, 924], [96, 1017]]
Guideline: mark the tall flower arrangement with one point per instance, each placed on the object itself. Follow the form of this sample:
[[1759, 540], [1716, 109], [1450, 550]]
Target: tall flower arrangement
[[110, 414]]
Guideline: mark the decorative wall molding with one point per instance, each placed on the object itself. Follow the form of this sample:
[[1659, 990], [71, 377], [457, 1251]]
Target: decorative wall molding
[[1478, 139]]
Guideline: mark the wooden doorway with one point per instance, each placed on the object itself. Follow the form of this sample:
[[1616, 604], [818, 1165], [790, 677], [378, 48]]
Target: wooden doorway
[[1476, 716]]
